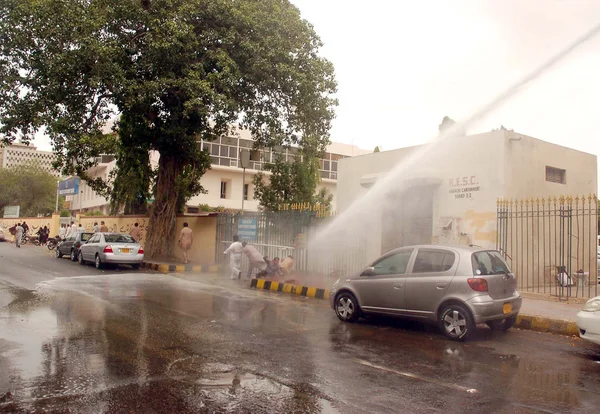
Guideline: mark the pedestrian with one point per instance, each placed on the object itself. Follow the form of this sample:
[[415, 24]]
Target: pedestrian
[[25, 227], [19, 231], [136, 232], [273, 268], [72, 231], [185, 241], [287, 265], [62, 232], [96, 227], [256, 260], [80, 229], [103, 227], [234, 251]]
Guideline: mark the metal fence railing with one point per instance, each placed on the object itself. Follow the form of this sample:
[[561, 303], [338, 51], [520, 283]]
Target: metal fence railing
[[551, 244]]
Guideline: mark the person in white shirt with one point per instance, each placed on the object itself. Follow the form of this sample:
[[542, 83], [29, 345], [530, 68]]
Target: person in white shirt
[[72, 230], [96, 228], [62, 232], [235, 257], [80, 229]]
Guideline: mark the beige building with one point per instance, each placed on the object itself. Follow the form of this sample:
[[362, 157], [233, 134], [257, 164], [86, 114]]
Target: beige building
[[20, 154], [447, 191], [224, 182]]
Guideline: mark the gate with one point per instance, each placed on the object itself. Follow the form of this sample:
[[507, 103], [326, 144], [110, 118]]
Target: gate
[[551, 244], [289, 232]]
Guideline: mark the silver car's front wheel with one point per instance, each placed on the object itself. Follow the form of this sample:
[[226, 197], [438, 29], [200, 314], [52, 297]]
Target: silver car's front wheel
[[346, 307], [456, 322]]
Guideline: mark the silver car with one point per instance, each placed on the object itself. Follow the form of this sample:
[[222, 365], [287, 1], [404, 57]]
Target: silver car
[[456, 287], [111, 248]]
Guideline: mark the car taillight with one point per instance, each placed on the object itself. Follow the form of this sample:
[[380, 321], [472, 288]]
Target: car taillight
[[478, 284], [141, 250], [108, 249]]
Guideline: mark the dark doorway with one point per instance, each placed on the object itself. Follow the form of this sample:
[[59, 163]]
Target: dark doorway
[[407, 218]]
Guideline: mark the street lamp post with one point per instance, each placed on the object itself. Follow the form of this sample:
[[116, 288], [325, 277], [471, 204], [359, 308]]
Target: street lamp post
[[244, 163]]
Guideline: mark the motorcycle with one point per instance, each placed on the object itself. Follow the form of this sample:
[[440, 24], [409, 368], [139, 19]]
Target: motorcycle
[[53, 242]]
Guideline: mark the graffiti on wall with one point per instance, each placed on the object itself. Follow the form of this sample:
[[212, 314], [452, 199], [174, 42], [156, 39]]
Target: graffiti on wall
[[117, 224]]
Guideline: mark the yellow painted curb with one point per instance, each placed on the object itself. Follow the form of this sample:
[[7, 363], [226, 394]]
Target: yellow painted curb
[[308, 291], [543, 324]]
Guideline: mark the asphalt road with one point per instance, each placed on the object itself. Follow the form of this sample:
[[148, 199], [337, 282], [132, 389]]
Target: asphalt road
[[73, 339]]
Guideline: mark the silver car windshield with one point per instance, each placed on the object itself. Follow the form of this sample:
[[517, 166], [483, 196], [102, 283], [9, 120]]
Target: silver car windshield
[[489, 263]]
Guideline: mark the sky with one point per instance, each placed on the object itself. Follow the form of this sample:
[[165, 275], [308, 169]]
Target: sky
[[403, 65]]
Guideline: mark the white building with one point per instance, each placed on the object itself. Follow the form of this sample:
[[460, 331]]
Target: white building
[[224, 182], [447, 192], [20, 154]]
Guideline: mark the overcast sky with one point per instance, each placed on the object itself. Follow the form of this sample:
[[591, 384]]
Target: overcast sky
[[403, 65]]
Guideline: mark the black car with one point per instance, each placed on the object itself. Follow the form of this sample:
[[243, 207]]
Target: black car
[[70, 245]]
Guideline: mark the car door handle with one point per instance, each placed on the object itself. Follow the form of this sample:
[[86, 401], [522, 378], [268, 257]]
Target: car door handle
[[398, 285], [442, 285]]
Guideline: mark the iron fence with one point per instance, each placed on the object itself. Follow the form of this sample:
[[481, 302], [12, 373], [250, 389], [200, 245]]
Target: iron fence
[[551, 244]]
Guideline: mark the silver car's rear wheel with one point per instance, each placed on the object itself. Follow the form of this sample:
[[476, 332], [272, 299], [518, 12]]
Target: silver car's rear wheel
[[456, 322], [80, 258], [346, 307], [98, 262]]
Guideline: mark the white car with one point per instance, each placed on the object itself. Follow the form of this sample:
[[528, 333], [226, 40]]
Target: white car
[[588, 321]]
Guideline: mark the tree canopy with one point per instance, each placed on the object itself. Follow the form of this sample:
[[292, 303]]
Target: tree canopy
[[289, 183], [175, 70], [30, 187]]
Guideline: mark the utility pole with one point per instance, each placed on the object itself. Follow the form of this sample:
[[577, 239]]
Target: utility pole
[[57, 185]]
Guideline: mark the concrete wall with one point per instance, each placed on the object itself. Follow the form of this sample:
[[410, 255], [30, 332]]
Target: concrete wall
[[527, 158], [34, 223], [204, 229]]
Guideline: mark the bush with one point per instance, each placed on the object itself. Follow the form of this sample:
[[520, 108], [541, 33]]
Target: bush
[[65, 213]]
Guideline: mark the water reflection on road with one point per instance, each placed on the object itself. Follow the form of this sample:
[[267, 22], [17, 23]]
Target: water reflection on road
[[151, 343]]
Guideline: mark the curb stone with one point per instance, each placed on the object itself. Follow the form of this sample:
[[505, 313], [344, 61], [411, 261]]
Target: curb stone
[[534, 323], [308, 291], [172, 268]]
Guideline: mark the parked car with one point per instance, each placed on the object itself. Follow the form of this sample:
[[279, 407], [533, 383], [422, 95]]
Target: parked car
[[456, 287], [588, 321], [70, 245], [2, 236], [111, 248]]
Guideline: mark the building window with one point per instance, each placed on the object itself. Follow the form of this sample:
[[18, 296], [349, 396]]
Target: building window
[[246, 190], [556, 175], [223, 189]]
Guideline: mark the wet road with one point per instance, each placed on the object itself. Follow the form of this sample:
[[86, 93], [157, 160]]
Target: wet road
[[118, 341]]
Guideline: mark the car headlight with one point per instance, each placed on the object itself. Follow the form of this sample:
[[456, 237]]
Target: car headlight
[[592, 305]]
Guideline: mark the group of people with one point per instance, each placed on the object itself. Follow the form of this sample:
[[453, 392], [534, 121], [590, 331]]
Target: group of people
[[264, 266]]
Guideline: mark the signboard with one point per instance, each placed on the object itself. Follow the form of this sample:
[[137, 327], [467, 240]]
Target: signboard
[[68, 187], [247, 228], [464, 187], [12, 211]]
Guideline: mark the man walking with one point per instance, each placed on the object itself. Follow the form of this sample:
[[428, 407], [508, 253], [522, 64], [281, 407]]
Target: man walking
[[235, 257], [72, 231], [103, 227], [96, 227], [62, 232], [19, 234], [185, 241], [256, 260], [136, 232], [25, 227]]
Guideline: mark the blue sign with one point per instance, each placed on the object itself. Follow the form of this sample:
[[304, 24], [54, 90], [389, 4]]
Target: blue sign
[[247, 228], [69, 187]]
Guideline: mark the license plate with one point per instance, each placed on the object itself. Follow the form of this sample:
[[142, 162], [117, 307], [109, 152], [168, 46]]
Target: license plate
[[127, 251], [507, 308]]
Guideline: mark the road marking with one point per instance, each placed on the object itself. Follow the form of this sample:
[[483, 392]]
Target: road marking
[[415, 376]]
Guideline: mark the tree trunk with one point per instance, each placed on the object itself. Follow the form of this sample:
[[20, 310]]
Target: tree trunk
[[161, 227]]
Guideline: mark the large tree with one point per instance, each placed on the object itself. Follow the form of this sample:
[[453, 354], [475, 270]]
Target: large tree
[[30, 187], [180, 70]]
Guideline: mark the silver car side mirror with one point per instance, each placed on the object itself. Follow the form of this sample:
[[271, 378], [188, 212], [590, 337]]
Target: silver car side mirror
[[369, 271]]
